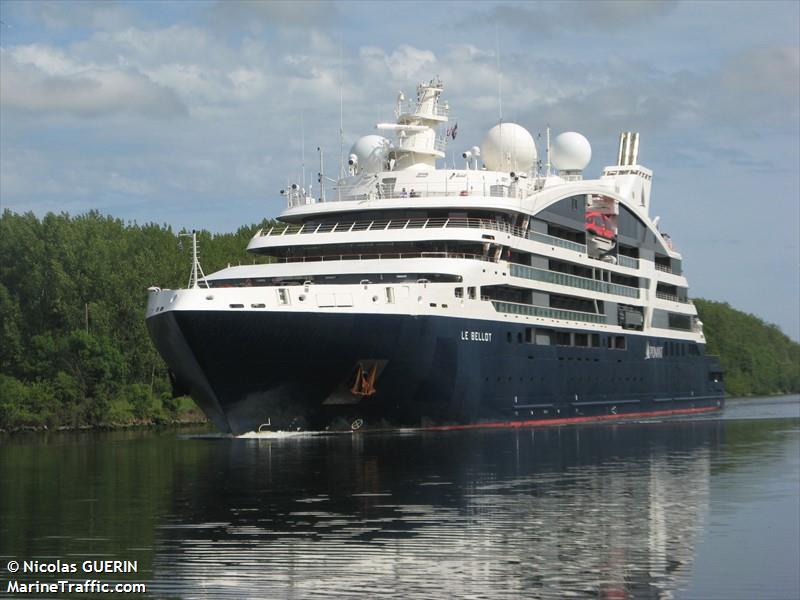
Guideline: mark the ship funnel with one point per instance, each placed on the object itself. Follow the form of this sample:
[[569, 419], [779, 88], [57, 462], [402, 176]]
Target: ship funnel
[[628, 152]]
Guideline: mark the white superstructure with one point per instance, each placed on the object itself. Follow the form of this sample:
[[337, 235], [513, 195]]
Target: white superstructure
[[398, 235]]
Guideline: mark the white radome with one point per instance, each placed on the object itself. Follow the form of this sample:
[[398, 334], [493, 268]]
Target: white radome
[[570, 151], [372, 151], [508, 147]]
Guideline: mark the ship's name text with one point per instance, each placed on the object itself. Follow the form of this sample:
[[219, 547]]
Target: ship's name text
[[654, 351], [476, 336]]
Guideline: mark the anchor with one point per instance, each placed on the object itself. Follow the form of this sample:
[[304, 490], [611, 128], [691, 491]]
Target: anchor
[[364, 384]]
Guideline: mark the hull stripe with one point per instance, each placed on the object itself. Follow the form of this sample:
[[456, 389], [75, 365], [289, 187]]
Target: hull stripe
[[570, 420]]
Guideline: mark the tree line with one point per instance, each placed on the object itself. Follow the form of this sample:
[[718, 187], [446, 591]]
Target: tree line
[[74, 349], [758, 358]]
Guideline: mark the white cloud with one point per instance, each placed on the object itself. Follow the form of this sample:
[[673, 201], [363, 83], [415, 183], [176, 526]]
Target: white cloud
[[761, 86], [86, 14], [409, 63], [258, 14], [38, 79], [545, 19]]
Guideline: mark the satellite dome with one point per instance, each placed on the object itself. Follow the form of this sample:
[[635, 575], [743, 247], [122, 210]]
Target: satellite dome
[[570, 152], [508, 147], [371, 151]]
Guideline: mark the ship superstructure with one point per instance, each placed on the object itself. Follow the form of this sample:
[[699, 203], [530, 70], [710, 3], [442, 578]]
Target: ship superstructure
[[510, 291]]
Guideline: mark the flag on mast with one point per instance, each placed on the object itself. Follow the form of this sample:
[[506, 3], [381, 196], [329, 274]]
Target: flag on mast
[[451, 131]]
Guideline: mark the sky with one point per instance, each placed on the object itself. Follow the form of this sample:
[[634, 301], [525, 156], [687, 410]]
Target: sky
[[196, 114]]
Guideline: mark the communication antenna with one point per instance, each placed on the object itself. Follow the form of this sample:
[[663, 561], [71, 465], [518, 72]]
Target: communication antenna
[[303, 147], [547, 171], [321, 175], [499, 91], [341, 115], [499, 78]]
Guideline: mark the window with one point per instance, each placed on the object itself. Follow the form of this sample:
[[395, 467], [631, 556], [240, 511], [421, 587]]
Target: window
[[390, 295], [582, 340], [519, 337], [595, 340], [563, 338], [283, 296], [472, 292], [529, 335], [619, 342], [508, 337], [679, 321], [459, 292]]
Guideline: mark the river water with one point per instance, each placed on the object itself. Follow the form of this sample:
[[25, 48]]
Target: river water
[[701, 508]]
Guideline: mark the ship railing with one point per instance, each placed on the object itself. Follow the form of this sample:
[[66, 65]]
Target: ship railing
[[664, 268], [515, 308], [575, 281], [672, 298], [463, 187], [627, 261], [556, 241], [414, 108], [393, 224], [384, 256]]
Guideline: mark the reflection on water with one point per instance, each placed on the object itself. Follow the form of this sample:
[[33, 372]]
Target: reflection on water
[[505, 514], [636, 510]]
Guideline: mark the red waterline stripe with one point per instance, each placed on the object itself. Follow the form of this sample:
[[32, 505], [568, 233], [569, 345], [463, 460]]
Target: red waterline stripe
[[570, 420]]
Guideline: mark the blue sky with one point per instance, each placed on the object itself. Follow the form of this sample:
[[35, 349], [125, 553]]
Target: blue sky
[[189, 113]]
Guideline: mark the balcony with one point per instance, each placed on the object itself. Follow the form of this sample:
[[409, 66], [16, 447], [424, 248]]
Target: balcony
[[583, 283], [664, 268], [672, 298], [627, 261], [556, 241], [514, 308]]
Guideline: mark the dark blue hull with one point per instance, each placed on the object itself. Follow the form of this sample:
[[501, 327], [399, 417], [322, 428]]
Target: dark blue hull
[[298, 370]]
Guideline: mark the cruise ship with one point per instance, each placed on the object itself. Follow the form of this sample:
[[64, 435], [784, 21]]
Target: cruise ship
[[505, 290]]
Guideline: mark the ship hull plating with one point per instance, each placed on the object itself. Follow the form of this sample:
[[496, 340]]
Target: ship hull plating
[[249, 370]]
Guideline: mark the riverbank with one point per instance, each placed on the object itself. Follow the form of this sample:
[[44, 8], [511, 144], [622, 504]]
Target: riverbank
[[195, 417], [191, 418]]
